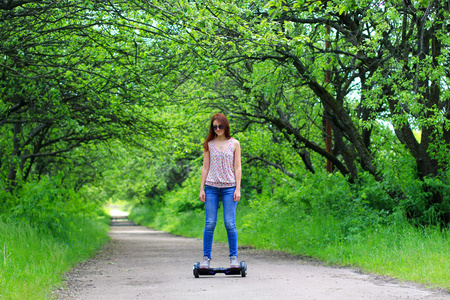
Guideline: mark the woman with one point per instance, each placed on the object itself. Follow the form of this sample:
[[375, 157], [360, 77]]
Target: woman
[[221, 178]]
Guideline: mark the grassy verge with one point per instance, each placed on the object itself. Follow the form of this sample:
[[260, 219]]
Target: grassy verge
[[32, 261], [398, 250]]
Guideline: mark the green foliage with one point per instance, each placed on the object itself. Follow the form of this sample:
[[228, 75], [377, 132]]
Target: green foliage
[[84, 79], [47, 204], [265, 62], [417, 205], [326, 199], [178, 201]]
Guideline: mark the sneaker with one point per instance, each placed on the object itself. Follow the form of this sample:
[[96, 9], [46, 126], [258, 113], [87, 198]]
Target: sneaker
[[205, 262], [234, 262]]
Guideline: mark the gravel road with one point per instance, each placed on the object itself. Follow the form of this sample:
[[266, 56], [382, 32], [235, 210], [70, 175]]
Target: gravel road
[[141, 263]]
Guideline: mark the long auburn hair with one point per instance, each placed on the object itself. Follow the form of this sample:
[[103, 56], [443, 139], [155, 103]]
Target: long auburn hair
[[211, 134]]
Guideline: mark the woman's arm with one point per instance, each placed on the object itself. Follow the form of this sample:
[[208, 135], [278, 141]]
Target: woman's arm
[[205, 170], [237, 170]]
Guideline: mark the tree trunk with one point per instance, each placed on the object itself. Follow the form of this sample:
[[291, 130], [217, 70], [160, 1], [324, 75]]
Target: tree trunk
[[12, 174]]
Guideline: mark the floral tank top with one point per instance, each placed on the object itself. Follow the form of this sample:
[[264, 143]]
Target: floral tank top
[[221, 166]]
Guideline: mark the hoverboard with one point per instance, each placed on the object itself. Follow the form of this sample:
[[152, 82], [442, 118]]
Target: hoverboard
[[241, 270]]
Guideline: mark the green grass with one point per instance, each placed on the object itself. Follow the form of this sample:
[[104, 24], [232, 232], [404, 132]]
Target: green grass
[[398, 250], [405, 252], [32, 262]]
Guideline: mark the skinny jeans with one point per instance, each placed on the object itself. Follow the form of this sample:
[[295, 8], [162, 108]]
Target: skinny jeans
[[213, 196]]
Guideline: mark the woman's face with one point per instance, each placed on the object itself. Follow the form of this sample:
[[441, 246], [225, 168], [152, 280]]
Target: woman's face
[[219, 129]]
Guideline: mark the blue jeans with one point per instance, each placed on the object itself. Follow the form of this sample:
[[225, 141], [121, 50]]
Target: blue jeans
[[213, 195]]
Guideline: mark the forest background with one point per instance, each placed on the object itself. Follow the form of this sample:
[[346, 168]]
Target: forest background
[[341, 108]]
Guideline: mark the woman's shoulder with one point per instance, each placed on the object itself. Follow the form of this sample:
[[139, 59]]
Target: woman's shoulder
[[235, 142]]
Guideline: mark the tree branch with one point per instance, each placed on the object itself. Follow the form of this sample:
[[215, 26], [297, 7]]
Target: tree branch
[[267, 162]]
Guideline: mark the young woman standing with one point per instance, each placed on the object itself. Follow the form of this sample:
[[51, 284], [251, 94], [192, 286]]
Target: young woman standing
[[221, 179]]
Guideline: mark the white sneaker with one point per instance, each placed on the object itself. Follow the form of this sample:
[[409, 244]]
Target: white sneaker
[[234, 264], [205, 262]]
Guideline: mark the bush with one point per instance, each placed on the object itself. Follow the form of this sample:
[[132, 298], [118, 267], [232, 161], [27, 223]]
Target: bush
[[47, 203]]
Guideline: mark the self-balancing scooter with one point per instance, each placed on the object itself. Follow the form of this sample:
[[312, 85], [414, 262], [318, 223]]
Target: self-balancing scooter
[[242, 270]]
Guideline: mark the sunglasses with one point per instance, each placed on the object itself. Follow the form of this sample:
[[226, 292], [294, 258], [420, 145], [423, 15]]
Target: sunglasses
[[215, 127]]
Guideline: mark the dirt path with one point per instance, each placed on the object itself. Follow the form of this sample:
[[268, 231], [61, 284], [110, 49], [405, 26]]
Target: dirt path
[[141, 263]]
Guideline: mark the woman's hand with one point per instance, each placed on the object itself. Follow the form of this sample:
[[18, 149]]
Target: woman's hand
[[202, 195], [205, 170], [237, 195]]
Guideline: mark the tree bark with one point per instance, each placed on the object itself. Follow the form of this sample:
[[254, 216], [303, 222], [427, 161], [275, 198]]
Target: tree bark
[[12, 174]]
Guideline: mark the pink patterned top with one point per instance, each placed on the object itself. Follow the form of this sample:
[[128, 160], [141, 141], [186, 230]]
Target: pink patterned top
[[221, 166]]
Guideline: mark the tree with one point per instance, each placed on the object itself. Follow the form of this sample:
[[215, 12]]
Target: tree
[[388, 62], [73, 74]]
